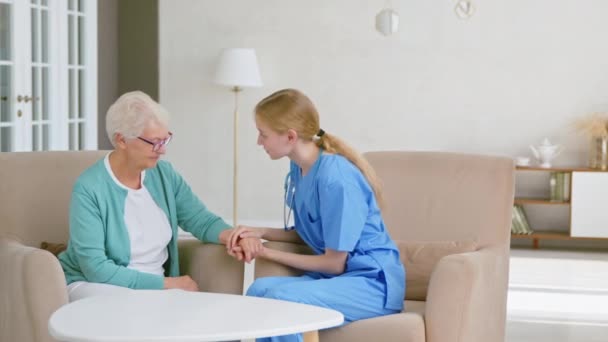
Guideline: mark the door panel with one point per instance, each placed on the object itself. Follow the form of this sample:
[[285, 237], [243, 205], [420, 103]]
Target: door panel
[[40, 71], [7, 67], [48, 75]]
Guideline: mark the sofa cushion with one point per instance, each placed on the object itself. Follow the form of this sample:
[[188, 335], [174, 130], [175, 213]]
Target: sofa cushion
[[420, 258], [54, 248]]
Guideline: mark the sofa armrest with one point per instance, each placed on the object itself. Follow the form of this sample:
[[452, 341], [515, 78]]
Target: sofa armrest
[[32, 287], [211, 267], [267, 268], [467, 297]]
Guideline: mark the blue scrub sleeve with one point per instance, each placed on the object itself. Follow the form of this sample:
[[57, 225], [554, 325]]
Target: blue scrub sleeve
[[343, 210]]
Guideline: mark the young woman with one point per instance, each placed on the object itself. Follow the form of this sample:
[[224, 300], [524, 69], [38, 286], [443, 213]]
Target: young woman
[[333, 194]]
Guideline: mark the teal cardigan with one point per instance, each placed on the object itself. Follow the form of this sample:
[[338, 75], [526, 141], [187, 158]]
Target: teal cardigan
[[99, 246]]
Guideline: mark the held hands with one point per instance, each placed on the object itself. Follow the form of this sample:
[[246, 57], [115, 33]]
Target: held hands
[[242, 232], [247, 249], [244, 243], [184, 283]]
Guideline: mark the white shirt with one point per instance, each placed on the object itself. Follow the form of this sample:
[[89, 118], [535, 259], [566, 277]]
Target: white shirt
[[148, 227]]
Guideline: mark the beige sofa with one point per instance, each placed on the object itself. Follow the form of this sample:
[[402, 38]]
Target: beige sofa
[[450, 215], [34, 191]]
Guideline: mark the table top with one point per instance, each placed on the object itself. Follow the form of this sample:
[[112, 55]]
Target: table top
[[176, 315]]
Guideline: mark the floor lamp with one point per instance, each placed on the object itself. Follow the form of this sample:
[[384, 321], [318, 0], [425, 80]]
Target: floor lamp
[[237, 68]]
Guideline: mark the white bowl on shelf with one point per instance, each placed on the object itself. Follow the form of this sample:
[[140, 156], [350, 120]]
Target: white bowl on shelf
[[522, 161]]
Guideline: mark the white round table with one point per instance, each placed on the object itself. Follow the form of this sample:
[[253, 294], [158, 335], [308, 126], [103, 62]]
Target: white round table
[[175, 315]]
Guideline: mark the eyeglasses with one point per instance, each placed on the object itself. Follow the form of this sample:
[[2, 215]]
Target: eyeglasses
[[290, 193], [156, 146]]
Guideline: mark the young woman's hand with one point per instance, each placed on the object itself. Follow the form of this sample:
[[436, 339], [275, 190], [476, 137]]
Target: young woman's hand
[[184, 283], [242, 232], [247, 249]]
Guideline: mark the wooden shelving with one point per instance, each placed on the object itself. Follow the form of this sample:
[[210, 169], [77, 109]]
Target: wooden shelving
[[538, 235], [540, 201], [555, 235], [551, 235], [556, 169]]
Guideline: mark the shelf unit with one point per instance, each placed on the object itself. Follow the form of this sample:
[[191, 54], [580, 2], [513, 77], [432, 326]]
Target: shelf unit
[[536, 236]]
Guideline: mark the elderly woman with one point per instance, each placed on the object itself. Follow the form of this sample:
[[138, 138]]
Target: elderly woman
[[125, 209]]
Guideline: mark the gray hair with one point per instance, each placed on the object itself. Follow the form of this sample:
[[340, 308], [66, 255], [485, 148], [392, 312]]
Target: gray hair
[[130, 114]]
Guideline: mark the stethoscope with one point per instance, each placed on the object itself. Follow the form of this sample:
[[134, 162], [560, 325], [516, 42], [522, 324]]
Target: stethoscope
[[290, 194], [288, 198]]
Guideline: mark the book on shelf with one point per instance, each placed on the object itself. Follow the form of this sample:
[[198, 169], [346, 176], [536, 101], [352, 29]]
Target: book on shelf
[[553, 186], [524, 220], [515, 226], [519, 221], [559, 186], [566, 186]]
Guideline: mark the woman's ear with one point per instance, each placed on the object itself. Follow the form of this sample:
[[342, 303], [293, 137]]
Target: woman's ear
[[292, 135], [120, 141]]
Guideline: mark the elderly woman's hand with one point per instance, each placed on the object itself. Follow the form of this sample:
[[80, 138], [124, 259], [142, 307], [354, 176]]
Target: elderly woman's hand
[[241, 232], [183, 282], [248, 249], [244, 242]]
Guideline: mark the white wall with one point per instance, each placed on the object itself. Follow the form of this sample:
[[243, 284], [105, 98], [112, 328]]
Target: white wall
[[516, 72]]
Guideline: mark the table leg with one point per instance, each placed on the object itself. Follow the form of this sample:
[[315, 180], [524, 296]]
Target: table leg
[[311, 336]]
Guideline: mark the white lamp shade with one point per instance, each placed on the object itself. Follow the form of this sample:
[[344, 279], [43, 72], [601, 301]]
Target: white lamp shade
[[387, 22], [238, 68]]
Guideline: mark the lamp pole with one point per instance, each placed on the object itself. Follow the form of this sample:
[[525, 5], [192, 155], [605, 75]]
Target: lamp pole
[[235, 158]]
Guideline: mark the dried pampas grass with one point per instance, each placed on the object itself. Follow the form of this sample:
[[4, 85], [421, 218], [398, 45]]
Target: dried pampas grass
[[594, 125]]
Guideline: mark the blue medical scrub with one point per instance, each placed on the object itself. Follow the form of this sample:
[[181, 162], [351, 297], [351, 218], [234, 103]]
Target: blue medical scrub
[[334, 207]]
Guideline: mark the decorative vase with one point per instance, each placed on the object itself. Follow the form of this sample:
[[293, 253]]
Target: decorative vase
[[598, 156]]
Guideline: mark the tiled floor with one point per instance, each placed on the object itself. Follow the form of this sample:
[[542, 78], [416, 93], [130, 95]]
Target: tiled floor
[[549, 332], [557, 296]]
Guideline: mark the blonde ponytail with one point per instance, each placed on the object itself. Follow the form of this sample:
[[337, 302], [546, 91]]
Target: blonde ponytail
[[333, 144]]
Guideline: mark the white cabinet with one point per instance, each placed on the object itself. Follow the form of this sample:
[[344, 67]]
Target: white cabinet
[[589, 212]]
